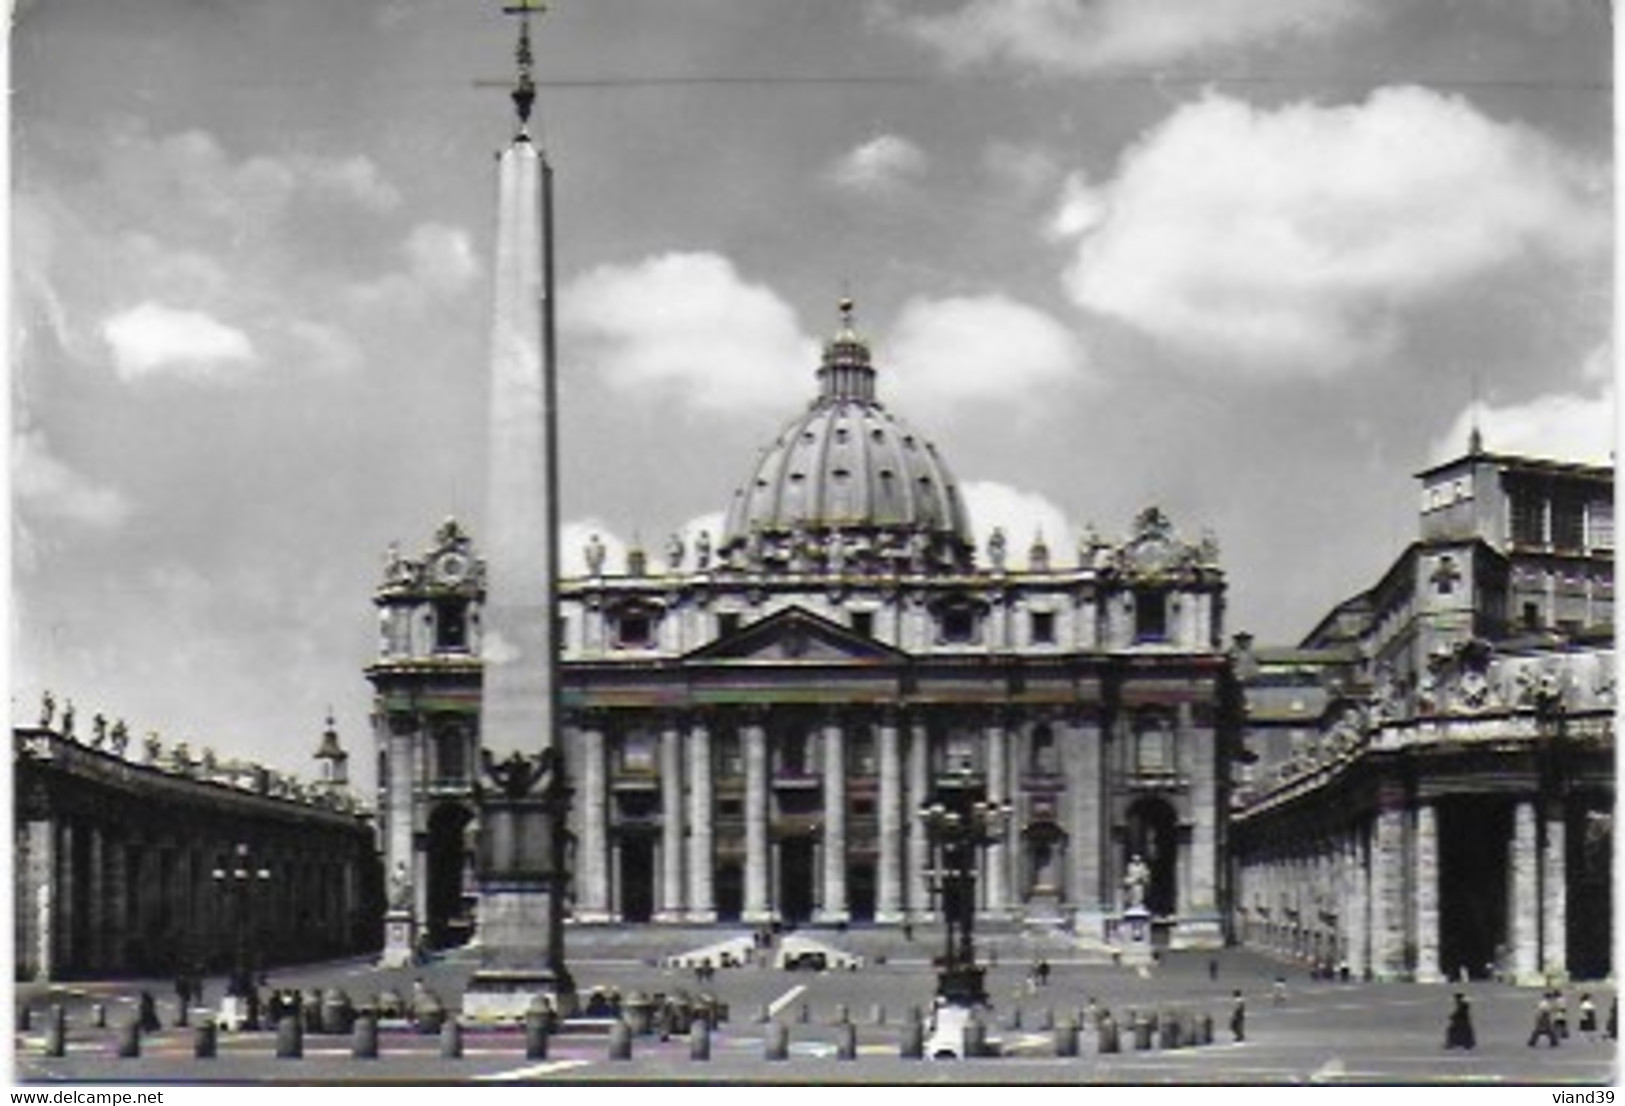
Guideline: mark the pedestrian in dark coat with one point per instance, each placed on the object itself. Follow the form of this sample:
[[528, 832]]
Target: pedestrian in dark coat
[[1613, 1018], [1238, 1016], [1459, 1032], [1543, 1023], [148, 1013]]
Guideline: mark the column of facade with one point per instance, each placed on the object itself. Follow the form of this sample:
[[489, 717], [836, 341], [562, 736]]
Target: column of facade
[[36, 916], [701, 872], [758, 906], [670, 908], [65, 955], [593, 869], [835, 906], [1554, 955], [115, 864], [1425, 894], [101, 931], [889, 893], [919, 793], [996, 900], [1199, 763], [1081, 761], [1388, 889], [1523, 915]]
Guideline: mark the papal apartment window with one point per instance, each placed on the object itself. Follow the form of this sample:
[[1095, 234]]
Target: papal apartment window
[[1568, 521], [1043, 627], [450, 626], [1528, 512], [1150, 616], [1601, 524]]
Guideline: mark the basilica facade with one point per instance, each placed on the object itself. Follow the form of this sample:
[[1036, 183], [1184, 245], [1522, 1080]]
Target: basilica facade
[[753, 721]]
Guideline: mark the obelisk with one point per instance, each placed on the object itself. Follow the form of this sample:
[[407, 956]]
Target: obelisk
[[524, 794]]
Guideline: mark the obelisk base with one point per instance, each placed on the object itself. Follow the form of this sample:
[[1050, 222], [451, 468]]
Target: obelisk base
[[517, 966]]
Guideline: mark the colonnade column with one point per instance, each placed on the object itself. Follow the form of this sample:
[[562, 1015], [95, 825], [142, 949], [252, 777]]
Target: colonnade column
[[671, 823], [1554, 946], [1425, 893], [1353, 911], [1523, 914], [754, 740], [1081, 761], [889, 898], [35, 948], [919, 845], [996, 900], [834, 907], [701, 888], [1388, 889]]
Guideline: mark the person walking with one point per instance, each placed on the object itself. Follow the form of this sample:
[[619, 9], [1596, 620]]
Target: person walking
[[1588, 1016], [1238, 1016], [1543, 1023], [1459, 1031], [1560, 1015]]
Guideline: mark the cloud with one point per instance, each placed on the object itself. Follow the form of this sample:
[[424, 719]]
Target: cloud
[[1079, 36], [1295, 240], [1022, 515], [1566, 426], [45, 486], [884, 161], [967, 351], [152, 339], [438, 262], [687, 328]]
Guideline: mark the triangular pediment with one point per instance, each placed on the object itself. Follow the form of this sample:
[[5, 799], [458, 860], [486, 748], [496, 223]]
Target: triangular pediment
[[796, 636]]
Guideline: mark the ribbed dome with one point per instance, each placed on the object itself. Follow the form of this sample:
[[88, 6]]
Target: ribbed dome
[[847, 486]]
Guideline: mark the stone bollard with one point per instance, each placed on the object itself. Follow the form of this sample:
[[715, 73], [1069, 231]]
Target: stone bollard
[[451, 1040], [1142, 1029], [1046, 1019], [205, 1039], [98, 1016], [620, 1041], [1014, 1021], [129, 1038], [290, 1037], [180, 1015], [764, 1016], [846, 1042], [805, 1015], [536, 1036], [974, 1038], [364, 1042], [777, 1045], [912, 1045], [699, 1040], [1108, 1035], [56, 1032], [1066, 1039], [1168, 1031], [25, 1018], [878, 1015], [1207, 1029], [842, 1014]]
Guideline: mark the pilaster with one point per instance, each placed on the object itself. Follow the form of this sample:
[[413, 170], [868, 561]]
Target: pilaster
[[834, 907]]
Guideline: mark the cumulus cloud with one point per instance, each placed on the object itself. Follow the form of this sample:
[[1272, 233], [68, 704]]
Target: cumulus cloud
[[441, 257], [884, 161], [688, 328], [1566, 426], [154, 339], [45, 486], [1023, 516], [1294, 240], [1083, 36], [972, 350]]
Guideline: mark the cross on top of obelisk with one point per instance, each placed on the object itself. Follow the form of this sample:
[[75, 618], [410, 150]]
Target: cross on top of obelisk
[[524, 91]]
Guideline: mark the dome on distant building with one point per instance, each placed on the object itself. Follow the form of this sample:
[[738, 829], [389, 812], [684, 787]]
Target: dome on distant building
[[847, 485]]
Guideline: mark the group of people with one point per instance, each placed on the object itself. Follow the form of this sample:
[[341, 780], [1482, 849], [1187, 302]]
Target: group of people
[[1552, 1019]]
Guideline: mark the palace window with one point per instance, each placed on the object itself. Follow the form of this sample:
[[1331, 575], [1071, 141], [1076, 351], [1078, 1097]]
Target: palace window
[[1528, 511], [863, 623], [1601, 524], [451, 754], [863, 761], [727, 623], [1042, 753], [1568, 520], [730, 760], [637, 753], [958, 752], [1153, 743], [795, 753]]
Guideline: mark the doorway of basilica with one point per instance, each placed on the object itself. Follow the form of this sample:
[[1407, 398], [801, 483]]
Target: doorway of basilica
[[637, 878], [448, 896], [796, 872]]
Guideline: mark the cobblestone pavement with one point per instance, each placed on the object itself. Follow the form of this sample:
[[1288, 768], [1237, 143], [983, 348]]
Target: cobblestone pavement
[[1318, 1033]]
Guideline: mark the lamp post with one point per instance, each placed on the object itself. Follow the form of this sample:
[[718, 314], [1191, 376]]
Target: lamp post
[[959, 825], [238, 879]]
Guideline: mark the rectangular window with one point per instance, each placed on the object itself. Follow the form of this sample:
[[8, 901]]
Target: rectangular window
[[633, 631], [958, 627], [863, 623], [1150, 616], [1043, 627], [450, 626], [730, 760], [1568, 521], [1601, 534], [1528, 516], [638, 753], [727, 623]]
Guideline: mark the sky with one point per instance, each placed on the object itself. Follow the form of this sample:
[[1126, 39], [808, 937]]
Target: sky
[[1255, 262]]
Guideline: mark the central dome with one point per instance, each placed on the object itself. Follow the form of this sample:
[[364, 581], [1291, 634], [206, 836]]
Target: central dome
[[848, 486]]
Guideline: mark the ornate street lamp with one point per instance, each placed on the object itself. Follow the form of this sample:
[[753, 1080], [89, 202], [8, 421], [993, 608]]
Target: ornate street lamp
[[959, 826], [239, 880]]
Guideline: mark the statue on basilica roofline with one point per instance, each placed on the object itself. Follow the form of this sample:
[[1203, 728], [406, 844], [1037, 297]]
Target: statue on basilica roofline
[[47, 712], [996, 548], [674, 552], [594, 554], [67, 719], [702, 550], [120, 738], [98, 731]]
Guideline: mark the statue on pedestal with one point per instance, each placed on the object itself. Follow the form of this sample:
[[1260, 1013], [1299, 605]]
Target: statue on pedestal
[[1135, 879]]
